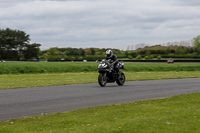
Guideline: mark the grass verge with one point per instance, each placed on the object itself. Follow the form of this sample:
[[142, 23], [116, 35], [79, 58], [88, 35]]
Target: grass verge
[[75, 67], [51, 79], [177, 114]]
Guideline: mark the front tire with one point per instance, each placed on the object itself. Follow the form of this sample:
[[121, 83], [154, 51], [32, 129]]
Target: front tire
[[102, 79], [121, 79]]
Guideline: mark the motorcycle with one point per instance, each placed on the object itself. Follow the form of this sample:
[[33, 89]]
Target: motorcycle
[[109, 74]]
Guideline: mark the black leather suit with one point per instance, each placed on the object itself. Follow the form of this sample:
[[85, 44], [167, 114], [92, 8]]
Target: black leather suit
[[114, 61]]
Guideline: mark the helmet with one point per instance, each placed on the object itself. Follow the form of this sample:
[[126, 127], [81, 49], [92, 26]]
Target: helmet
[[109, 53]]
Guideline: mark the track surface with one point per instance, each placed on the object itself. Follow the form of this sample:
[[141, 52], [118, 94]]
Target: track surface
[[16, 103]]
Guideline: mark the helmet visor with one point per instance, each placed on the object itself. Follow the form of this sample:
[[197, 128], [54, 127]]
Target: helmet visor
[[108, 55]]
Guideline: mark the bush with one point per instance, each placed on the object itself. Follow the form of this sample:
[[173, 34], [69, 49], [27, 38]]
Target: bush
[[159, 57], [146, 57], [130, 57], [139, 57], [151, 56]]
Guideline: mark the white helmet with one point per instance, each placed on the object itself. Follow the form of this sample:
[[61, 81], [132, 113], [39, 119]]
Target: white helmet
[[109, 53]]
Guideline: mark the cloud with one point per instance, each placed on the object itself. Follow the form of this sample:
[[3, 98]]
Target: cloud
[[102, 23]]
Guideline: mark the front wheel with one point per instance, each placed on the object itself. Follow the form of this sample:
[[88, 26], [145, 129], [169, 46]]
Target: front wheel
[[102, 79], [121, 79]]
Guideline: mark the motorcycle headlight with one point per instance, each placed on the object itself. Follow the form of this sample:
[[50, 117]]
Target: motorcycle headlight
[[104, 66]]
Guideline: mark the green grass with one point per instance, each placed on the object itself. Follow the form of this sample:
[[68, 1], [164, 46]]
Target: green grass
[[8, 81], [161, 67], [46, 67], [32, 74], [177, 114], [65, 67]]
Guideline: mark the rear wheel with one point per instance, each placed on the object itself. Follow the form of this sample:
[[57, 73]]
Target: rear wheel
[[121, 79], [102, 79]]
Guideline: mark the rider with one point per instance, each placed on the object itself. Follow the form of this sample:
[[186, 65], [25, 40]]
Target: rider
[[113, 59]]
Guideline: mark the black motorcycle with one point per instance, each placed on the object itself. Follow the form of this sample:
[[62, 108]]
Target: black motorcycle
[[110, 74]]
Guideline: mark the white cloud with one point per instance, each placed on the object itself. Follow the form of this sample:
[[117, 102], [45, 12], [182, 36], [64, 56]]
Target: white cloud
[[102, 23]]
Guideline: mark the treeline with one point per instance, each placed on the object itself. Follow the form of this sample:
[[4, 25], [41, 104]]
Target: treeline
[[173, 51], [15, 45], [148, 52], [77, 53], [159, 51]]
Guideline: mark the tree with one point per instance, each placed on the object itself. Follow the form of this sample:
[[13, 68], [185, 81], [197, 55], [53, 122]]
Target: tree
[[88, 51], [197, 44], [134, 53], [32, 50], [92, 51], [14, 43]]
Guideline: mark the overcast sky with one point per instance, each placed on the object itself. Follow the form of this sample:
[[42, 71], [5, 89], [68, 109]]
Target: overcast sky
[[102, 23]]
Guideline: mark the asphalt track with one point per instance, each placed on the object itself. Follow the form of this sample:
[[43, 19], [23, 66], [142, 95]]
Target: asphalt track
[[17, 103]]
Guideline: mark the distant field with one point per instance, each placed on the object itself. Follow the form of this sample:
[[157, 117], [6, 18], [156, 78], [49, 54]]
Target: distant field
[[68, 67], [46, 67]]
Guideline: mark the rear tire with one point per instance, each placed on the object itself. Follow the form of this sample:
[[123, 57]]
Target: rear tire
[[121, 79], [102, 79]]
